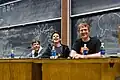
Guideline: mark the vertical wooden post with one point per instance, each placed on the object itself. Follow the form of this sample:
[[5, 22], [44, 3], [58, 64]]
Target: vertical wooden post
[[64, 25]]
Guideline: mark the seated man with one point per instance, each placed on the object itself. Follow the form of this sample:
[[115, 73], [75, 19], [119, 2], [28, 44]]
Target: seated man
[[91, 43], [36, 50], [61, 50]]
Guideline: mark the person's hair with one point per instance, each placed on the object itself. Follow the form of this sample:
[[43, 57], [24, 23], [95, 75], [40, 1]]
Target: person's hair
[[35, 41], [55, 33], [86, 22]]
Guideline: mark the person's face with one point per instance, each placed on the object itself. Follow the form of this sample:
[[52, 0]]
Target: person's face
[[36, 46], [84, 31], [56, 38]]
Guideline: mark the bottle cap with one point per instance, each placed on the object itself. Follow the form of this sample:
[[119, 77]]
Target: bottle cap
[[85, 45], [53, 47], [12, 51], [102, 44]]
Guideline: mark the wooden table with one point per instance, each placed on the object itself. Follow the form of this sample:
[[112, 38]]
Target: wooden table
[[62, 69]]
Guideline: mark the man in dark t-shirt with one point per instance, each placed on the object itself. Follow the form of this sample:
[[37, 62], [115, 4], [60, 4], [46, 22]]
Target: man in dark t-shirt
[[92, 44]]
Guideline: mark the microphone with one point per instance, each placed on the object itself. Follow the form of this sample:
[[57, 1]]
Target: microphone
[[29, 47]]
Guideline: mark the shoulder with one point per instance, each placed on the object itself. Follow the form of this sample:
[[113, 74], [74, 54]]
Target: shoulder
[[94, 39], [78, 40], [65, 48], [77, 43], [64, 45], [49, 45]]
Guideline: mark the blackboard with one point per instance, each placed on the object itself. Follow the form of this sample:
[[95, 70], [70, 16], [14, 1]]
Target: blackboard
[[103, 25], [5, 1], [84, 6], [19, 38], [25, 11]]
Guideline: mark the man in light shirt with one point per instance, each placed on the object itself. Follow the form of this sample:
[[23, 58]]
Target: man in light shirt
[[36, 50]]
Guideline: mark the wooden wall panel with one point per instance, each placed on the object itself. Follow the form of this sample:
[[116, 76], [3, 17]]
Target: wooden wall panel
[[85, 71], [64, 21], [4, 71], [110, 73], [55, 71], [21, 71], [71, 71]]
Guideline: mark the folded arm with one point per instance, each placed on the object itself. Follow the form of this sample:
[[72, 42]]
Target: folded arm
[[75, 55], [95, 55]]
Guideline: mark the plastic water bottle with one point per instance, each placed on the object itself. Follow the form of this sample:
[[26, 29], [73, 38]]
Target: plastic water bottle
[[102, 49], [12, 54], [53, 53], [85, 49]]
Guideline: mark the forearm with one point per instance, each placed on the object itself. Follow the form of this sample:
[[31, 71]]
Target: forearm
[[95, 55], [74, 54]]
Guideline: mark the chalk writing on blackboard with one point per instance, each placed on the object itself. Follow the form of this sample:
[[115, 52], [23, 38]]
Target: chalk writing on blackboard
[[22, 36], [108, 25]]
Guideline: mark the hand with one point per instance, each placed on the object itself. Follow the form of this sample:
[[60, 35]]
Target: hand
[[82, 56], [85, 56], [53, 57], [79, 56], [81, 50]]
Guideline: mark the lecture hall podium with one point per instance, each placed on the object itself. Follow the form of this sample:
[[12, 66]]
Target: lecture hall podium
[[19, 69], [61, 69], [83, 69]]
